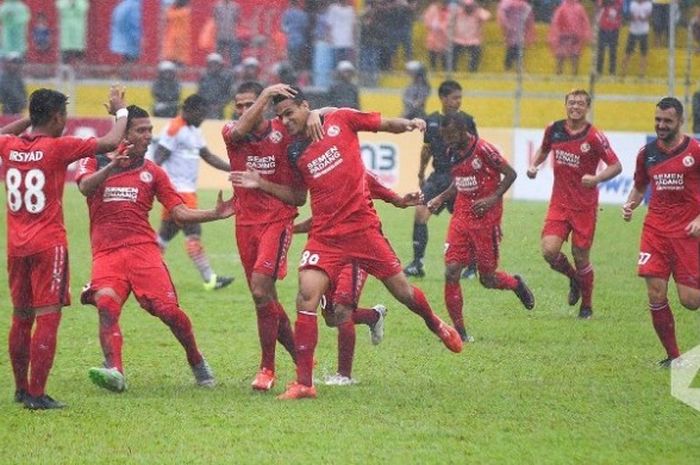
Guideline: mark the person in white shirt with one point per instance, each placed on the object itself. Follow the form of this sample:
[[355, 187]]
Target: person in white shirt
[[640, 12], [341, 18]]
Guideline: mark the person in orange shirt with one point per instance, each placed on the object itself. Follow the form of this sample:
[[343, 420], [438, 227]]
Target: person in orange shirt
[[436, 20], [469, 33], [178, 33]]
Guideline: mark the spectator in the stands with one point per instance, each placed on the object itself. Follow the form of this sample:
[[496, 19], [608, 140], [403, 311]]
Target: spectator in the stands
[[72, 23], [609, 23], [517, 22], [372, 35], [568, 34], [417, 93], [14, 19], [640, 12], [398, 31], [341, 21], [295, 25], [126, 34], [436, 19], [468, 33], [226, 15], [215, 86], [696, 112], [13, 92], [660, 17], [177, 39], [41, 33], [344, 92], [166, 91]]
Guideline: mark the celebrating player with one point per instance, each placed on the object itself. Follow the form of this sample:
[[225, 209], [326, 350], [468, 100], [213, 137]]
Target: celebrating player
[[345, 227], [577, 148], [179, 148], [450, 93], [37, 262], [120, 190], [669, 245], [480, 178]]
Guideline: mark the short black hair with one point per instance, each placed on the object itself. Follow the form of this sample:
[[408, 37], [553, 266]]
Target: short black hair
[[135, 112], [44, 104], [447, 87], [671, 102], [252, 87], [194, 102], [457, 119], [298, 98]]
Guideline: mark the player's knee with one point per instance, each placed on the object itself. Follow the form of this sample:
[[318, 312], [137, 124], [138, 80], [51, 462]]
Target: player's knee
[[262, 289], [452, 273], [487, 280], [692, 301], [108, 309], [550, 254], [307, 300]]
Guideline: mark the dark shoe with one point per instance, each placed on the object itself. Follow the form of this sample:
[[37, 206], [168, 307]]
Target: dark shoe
[[464, 335], [585, 313], [574, 291], [667, 362], [414, 269], [524, 293], [44, 402], [217, 282], [20, 395]]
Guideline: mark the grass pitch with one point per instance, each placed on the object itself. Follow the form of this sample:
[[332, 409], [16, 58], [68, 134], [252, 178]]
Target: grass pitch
[[535, 388]]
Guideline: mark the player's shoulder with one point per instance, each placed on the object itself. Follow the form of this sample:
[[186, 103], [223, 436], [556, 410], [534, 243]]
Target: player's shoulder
[[174, 126]]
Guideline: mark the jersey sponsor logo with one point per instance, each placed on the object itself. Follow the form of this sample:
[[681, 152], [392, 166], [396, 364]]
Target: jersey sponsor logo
[[567, 158], [145, 176], [466, 183], [333, 130], [669, 181], [476, 164], [688, 161], [325, 163], [120, 194], [23, 157], [275, 137], [265, 165], [585, 147]]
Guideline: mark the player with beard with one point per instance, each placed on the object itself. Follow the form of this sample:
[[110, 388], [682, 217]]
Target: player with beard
[[577, 148], [120, 189], [670, 243]]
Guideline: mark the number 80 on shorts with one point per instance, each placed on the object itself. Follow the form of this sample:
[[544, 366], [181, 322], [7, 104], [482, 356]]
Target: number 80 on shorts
[[308, 258]]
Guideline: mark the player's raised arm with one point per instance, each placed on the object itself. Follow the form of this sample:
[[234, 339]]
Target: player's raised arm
[[116, 107], [251, 114], [400, 125], [251, 179], [16, 127], [214, 160], [223, 209]]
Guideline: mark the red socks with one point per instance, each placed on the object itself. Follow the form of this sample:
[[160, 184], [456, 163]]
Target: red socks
[[562, 265], [19, 344], [504, 281], [268, 328], [181, 326], [306, 337], [365, 316], [662, 318], [110, 333], [285, 335], [421, 307], [584, 278], [43, 350], [346, 347], [454, 303]]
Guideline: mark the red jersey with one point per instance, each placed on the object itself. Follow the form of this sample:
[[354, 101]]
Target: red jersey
[[675, 185], [35, 172], [119, 207], [333, 171], [476, 175], [574, 156], [264, 152]]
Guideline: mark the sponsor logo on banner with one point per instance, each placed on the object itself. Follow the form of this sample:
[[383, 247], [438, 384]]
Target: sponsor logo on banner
[[381, 158]]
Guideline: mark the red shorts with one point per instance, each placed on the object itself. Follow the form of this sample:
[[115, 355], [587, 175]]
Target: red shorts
[[465, 246], [39, 280], [137, 268], [580, 224], [346, 289], [368, 249], [660, 256], [263, 248], [189, 199]]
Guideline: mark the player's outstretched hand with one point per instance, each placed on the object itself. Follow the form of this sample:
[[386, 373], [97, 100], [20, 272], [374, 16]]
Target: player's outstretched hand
[[116, 99], [250, 179], [224, 208], [411, 200], [435, 204], [416, 123], [627, 211], [588, 180], [693, 228], [532, 172], [314, 126]]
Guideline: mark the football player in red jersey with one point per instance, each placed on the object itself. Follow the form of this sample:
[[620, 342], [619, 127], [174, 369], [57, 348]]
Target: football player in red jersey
[[345, 226], [120, 189], [577, 149], [669, 244], [480, 177], [37, 263]]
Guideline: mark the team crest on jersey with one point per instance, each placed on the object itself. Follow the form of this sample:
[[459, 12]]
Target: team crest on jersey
[[585, 147], [275, 137], [476, 164], [688, 161], [145, 176], [333, 130]]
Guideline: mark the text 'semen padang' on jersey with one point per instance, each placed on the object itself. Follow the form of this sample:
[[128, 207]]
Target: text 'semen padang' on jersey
[[34, 168], [433, 139], [574, 155], [265, 152], [119, 207], [184, 143], [674, 177], [333, 171]]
